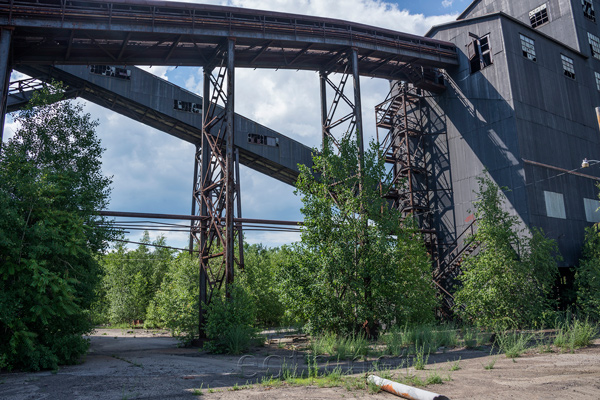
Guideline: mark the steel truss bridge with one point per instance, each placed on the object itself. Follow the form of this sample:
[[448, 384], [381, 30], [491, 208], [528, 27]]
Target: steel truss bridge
[[108, 36]]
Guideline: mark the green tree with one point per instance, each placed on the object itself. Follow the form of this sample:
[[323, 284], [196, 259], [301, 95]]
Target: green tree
[[175, 304], [132, 278], [587, 277], [260, 279], [509, 281], [51, 185], [359, 263]]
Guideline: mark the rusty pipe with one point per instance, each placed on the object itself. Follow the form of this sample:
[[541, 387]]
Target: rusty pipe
[[404, 391]]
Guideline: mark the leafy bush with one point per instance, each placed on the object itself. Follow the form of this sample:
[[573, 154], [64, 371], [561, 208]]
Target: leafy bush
[[51, 185], [229, 322], [132, 278], [587, 276], [509, 282], [175, 305], [360, 264], [260, 278]]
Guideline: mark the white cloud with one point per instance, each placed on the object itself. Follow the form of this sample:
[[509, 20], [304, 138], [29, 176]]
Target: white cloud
[[371, 12], [160, 70], [447, 3]]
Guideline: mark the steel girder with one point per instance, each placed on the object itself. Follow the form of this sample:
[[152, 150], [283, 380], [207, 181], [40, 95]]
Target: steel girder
[[335, 118], [215, 188]]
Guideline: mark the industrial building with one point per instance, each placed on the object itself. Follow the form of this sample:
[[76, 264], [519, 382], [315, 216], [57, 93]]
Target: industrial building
[[521, 105]]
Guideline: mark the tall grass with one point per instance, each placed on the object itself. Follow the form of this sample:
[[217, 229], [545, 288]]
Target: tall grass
[[575, 334], [427, 337], [513, 343], [473, 337], [340, 347]]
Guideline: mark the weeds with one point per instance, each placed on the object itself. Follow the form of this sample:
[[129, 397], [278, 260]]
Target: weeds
[[576, 334], [339, 347], [455, 365], [433, 378], [420, 360], [198, 392], [492, 362], [513, 343]]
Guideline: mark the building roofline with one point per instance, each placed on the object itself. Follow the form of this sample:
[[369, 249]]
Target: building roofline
[[499, 15], [468, 9]]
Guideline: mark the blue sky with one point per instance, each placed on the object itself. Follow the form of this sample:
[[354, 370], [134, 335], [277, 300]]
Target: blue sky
[[152, 171]]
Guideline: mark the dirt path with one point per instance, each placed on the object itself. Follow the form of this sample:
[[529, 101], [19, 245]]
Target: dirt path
[[149, 365]]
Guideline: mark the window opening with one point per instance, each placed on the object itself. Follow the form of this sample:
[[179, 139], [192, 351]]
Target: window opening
[[187, 106], [555, 205], [114, 72], [263, 139], [588, 10], [568, 67], [597, 80], [528, 47], [594, 45], [538, 16], [480, 54], [591, 210]]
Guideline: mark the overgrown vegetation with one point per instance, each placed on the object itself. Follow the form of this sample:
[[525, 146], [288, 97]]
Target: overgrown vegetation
[[508, 283], [587, 277], [230, 322], [50, 188], [359, 263]]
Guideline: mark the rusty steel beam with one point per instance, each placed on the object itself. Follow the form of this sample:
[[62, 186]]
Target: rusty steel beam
[[215, 184], [128, 214], [333, 118]]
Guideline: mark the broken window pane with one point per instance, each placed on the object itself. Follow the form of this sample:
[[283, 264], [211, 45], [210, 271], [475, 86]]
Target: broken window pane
[[568, 67], [528, 47], [594, 45], [588, 9], [539, 16]]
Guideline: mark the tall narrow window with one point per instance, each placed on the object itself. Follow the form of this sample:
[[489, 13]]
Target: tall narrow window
[[568, 67], [539, 16], [528, 47], [480, 54], [588, 9], [594, 45], [597, 80]]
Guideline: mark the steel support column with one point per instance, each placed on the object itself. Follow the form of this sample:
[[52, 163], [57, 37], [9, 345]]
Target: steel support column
[[343, 113], [215, 190], [5, 70]]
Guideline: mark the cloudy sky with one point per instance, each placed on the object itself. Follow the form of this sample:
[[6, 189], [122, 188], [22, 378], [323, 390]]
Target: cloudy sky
[[152, 171]]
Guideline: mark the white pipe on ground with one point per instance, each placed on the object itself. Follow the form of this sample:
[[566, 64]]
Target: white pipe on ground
[[407, 392]]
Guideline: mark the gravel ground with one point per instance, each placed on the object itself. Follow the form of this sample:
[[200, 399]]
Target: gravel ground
[[149, 365]]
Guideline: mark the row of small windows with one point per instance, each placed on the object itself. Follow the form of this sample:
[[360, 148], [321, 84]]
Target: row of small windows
[[539, 16], [528, 48], [115, 72], [555, 207]]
